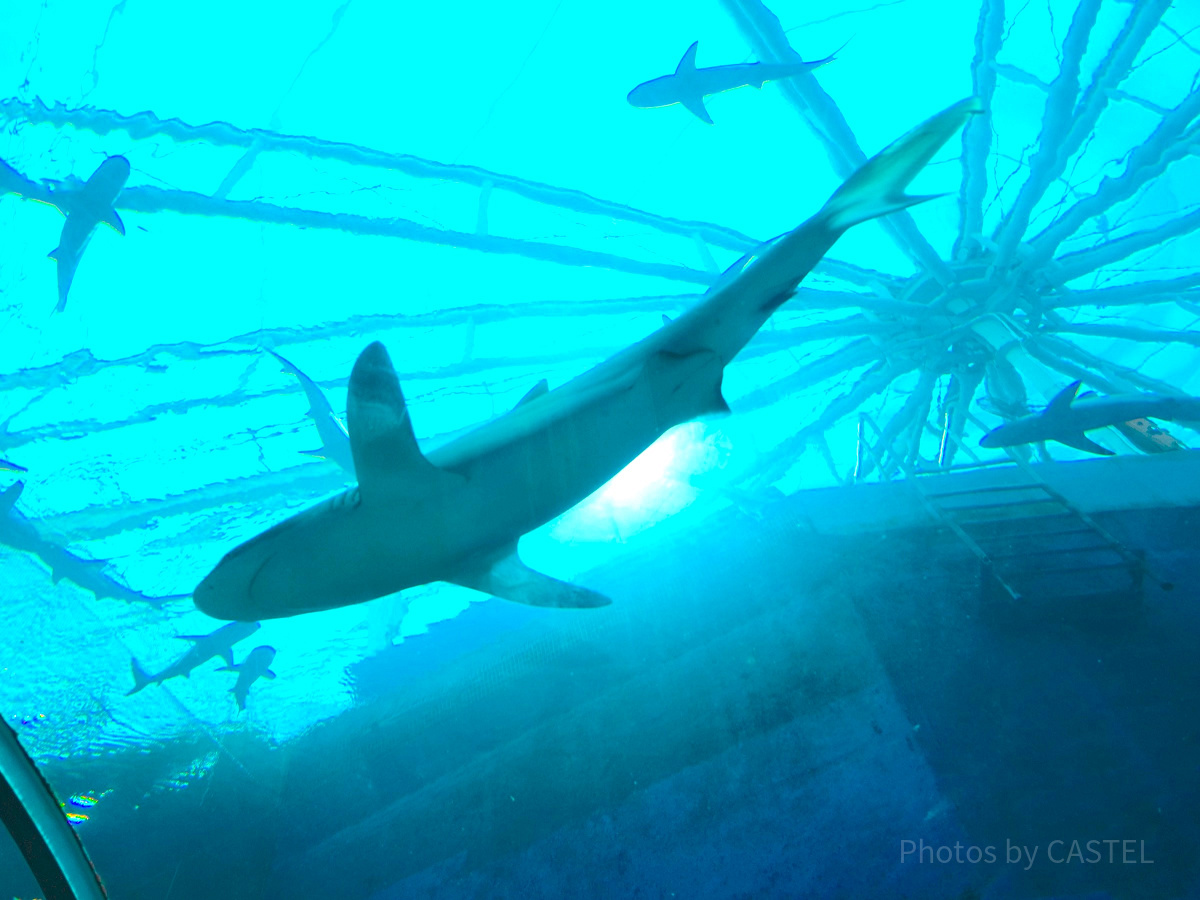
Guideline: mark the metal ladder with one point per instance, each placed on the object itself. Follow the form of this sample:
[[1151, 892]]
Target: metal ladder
[[1031, 542]]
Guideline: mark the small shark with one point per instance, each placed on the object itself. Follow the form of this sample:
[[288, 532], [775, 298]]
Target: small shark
[[456, 514], [689, 85], [18, 532], [86, 207], [257, 664], [204, 647], [335, 442], [1066, 419]]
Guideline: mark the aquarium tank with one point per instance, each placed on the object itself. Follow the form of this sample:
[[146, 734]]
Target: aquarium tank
[[734, 449]]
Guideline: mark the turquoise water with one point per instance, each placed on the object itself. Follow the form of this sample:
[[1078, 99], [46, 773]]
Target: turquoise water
[[471, 187]]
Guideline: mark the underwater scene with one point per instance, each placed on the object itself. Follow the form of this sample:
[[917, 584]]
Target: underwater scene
[[736, 449]]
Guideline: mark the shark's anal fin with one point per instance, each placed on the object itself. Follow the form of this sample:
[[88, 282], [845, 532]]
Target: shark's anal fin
[[1081, 441], [695, 105], [510, 579], [387, 458]]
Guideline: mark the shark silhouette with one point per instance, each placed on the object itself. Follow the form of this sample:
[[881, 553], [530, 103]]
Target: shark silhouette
[[689, 85], [204, 647], [257, 664], [456, 514], [335, 443], [85, 207], [1065, 418], [18, 532]]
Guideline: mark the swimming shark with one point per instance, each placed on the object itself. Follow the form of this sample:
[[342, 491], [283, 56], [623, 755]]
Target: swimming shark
[[85, 207], [335, 442], [18, 532], [689, 85], [257, 664], [1065, 418], [204, 647], [456, 514]]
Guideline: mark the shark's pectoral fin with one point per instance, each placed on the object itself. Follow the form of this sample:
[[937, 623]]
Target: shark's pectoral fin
[[113, 221], [510, 579], [1081, 441], [542, 387], [10, 497], [229, 668], [269, 675], [695, 105], [387, 459]]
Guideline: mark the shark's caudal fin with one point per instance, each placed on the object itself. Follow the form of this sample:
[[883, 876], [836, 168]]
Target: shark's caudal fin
[[386, 456], [510, 579], [877, 188], [140, 678]]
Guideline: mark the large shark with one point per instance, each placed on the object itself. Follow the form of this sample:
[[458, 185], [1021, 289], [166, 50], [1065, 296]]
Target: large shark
[[1065, 419], [204, 647], [85, 207], [456, 514], [257, 664], [689, 85], [335, 442]]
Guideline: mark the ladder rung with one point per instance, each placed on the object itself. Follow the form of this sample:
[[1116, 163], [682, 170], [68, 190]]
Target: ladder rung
[[1090, 548], [988, 490], [951, 509], [1057, 571]]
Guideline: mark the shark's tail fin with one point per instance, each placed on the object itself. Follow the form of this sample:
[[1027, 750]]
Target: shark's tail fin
[[140, 678], [877, 188]]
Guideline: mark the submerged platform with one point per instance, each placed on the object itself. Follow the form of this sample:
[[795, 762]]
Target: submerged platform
[[774, 706]]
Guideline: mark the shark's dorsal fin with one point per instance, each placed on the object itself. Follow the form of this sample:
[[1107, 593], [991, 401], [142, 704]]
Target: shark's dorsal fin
[[1081, 441], [687, 63], [542, 387], [510, 579], [1061, 404], [10, 497], [387, 458]]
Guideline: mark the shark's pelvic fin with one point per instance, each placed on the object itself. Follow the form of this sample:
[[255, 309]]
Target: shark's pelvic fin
[[877, 188], [227, 655], [510, 579], [1081, 441], [194, 638], [10, 497], [387, 458], [542, 387], [1062, 401]]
